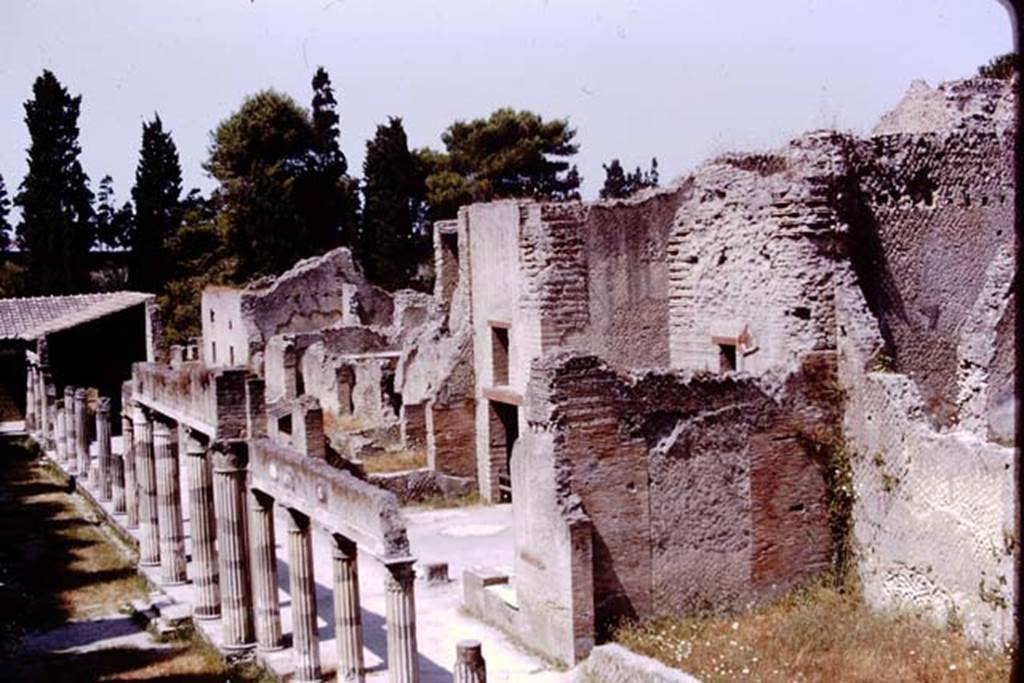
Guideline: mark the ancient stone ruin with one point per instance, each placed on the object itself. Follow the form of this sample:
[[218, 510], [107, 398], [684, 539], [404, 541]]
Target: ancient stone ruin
[[693, 398]]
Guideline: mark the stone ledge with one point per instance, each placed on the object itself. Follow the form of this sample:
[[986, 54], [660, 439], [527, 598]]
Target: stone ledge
[[613, 663]]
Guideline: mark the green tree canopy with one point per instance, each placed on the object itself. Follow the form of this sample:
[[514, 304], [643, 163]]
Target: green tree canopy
[[260, 155], [392, 240], [56, 228], [509, 154], [157, 195], [199, 252], [619, 184]]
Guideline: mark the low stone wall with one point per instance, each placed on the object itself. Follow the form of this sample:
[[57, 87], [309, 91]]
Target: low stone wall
[[416, 486], [615, 664]]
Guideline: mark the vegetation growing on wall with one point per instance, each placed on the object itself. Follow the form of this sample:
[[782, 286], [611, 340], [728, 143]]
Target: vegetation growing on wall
[[828, 445]]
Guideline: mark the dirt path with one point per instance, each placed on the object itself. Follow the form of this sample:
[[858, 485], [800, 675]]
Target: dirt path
[[65, 579]]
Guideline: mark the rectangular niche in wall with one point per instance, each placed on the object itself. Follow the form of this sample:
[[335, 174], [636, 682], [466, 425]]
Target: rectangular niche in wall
[[499, 354], [727, 357]]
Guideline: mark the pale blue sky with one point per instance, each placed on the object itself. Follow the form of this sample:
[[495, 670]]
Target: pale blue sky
[[680, 80]]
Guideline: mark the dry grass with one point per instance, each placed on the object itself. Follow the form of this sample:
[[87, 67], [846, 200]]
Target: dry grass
[[815, 634], [342, 424], [396, 461], [59, 563]]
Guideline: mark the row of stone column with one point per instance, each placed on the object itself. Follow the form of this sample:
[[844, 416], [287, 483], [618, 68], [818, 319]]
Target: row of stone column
[[400, 605], [234, 569], [39, 403], [235, 563]]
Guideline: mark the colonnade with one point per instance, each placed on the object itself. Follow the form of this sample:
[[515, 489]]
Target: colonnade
[[234, 566]]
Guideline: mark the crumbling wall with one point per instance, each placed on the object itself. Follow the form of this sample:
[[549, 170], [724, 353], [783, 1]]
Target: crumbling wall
[[626, 250], [953, 104], [934, 512], [931, 219], [314, 294], [752, 251], [699, 489]]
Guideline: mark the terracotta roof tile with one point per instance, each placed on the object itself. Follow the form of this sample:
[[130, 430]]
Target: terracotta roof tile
[[33, 317]]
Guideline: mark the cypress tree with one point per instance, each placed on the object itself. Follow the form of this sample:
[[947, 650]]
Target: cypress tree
[[391, 240], [5, 208], [157, 194], [328, 193], [56, 228]]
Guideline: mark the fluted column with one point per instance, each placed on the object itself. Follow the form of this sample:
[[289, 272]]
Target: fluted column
[[30, 399], [205, 575], [117, 483], [58, 433], [82, 434], [50, 404], [348, 616], [173, 562], [40, 409], [103, 448], [70, 440], [264, 571], [400, 614], [230, 460], [469, 662], [145, 471], [131, 491], [45, 403], [305, 638]]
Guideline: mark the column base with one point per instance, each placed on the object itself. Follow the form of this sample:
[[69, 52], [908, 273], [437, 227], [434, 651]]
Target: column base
[[276, 648], [155, 563], [205, 617], [238, 648]]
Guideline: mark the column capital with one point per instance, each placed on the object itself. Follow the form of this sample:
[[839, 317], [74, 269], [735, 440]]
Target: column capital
[[140, 414], [258, 500], [103, 405], [69, 393], [344, 548], [80, 394], [161, 427], [230, 455], [193, 441], [400, 575], [297, 521]]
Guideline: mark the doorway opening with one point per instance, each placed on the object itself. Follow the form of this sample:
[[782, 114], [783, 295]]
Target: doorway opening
[[504, 431]]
